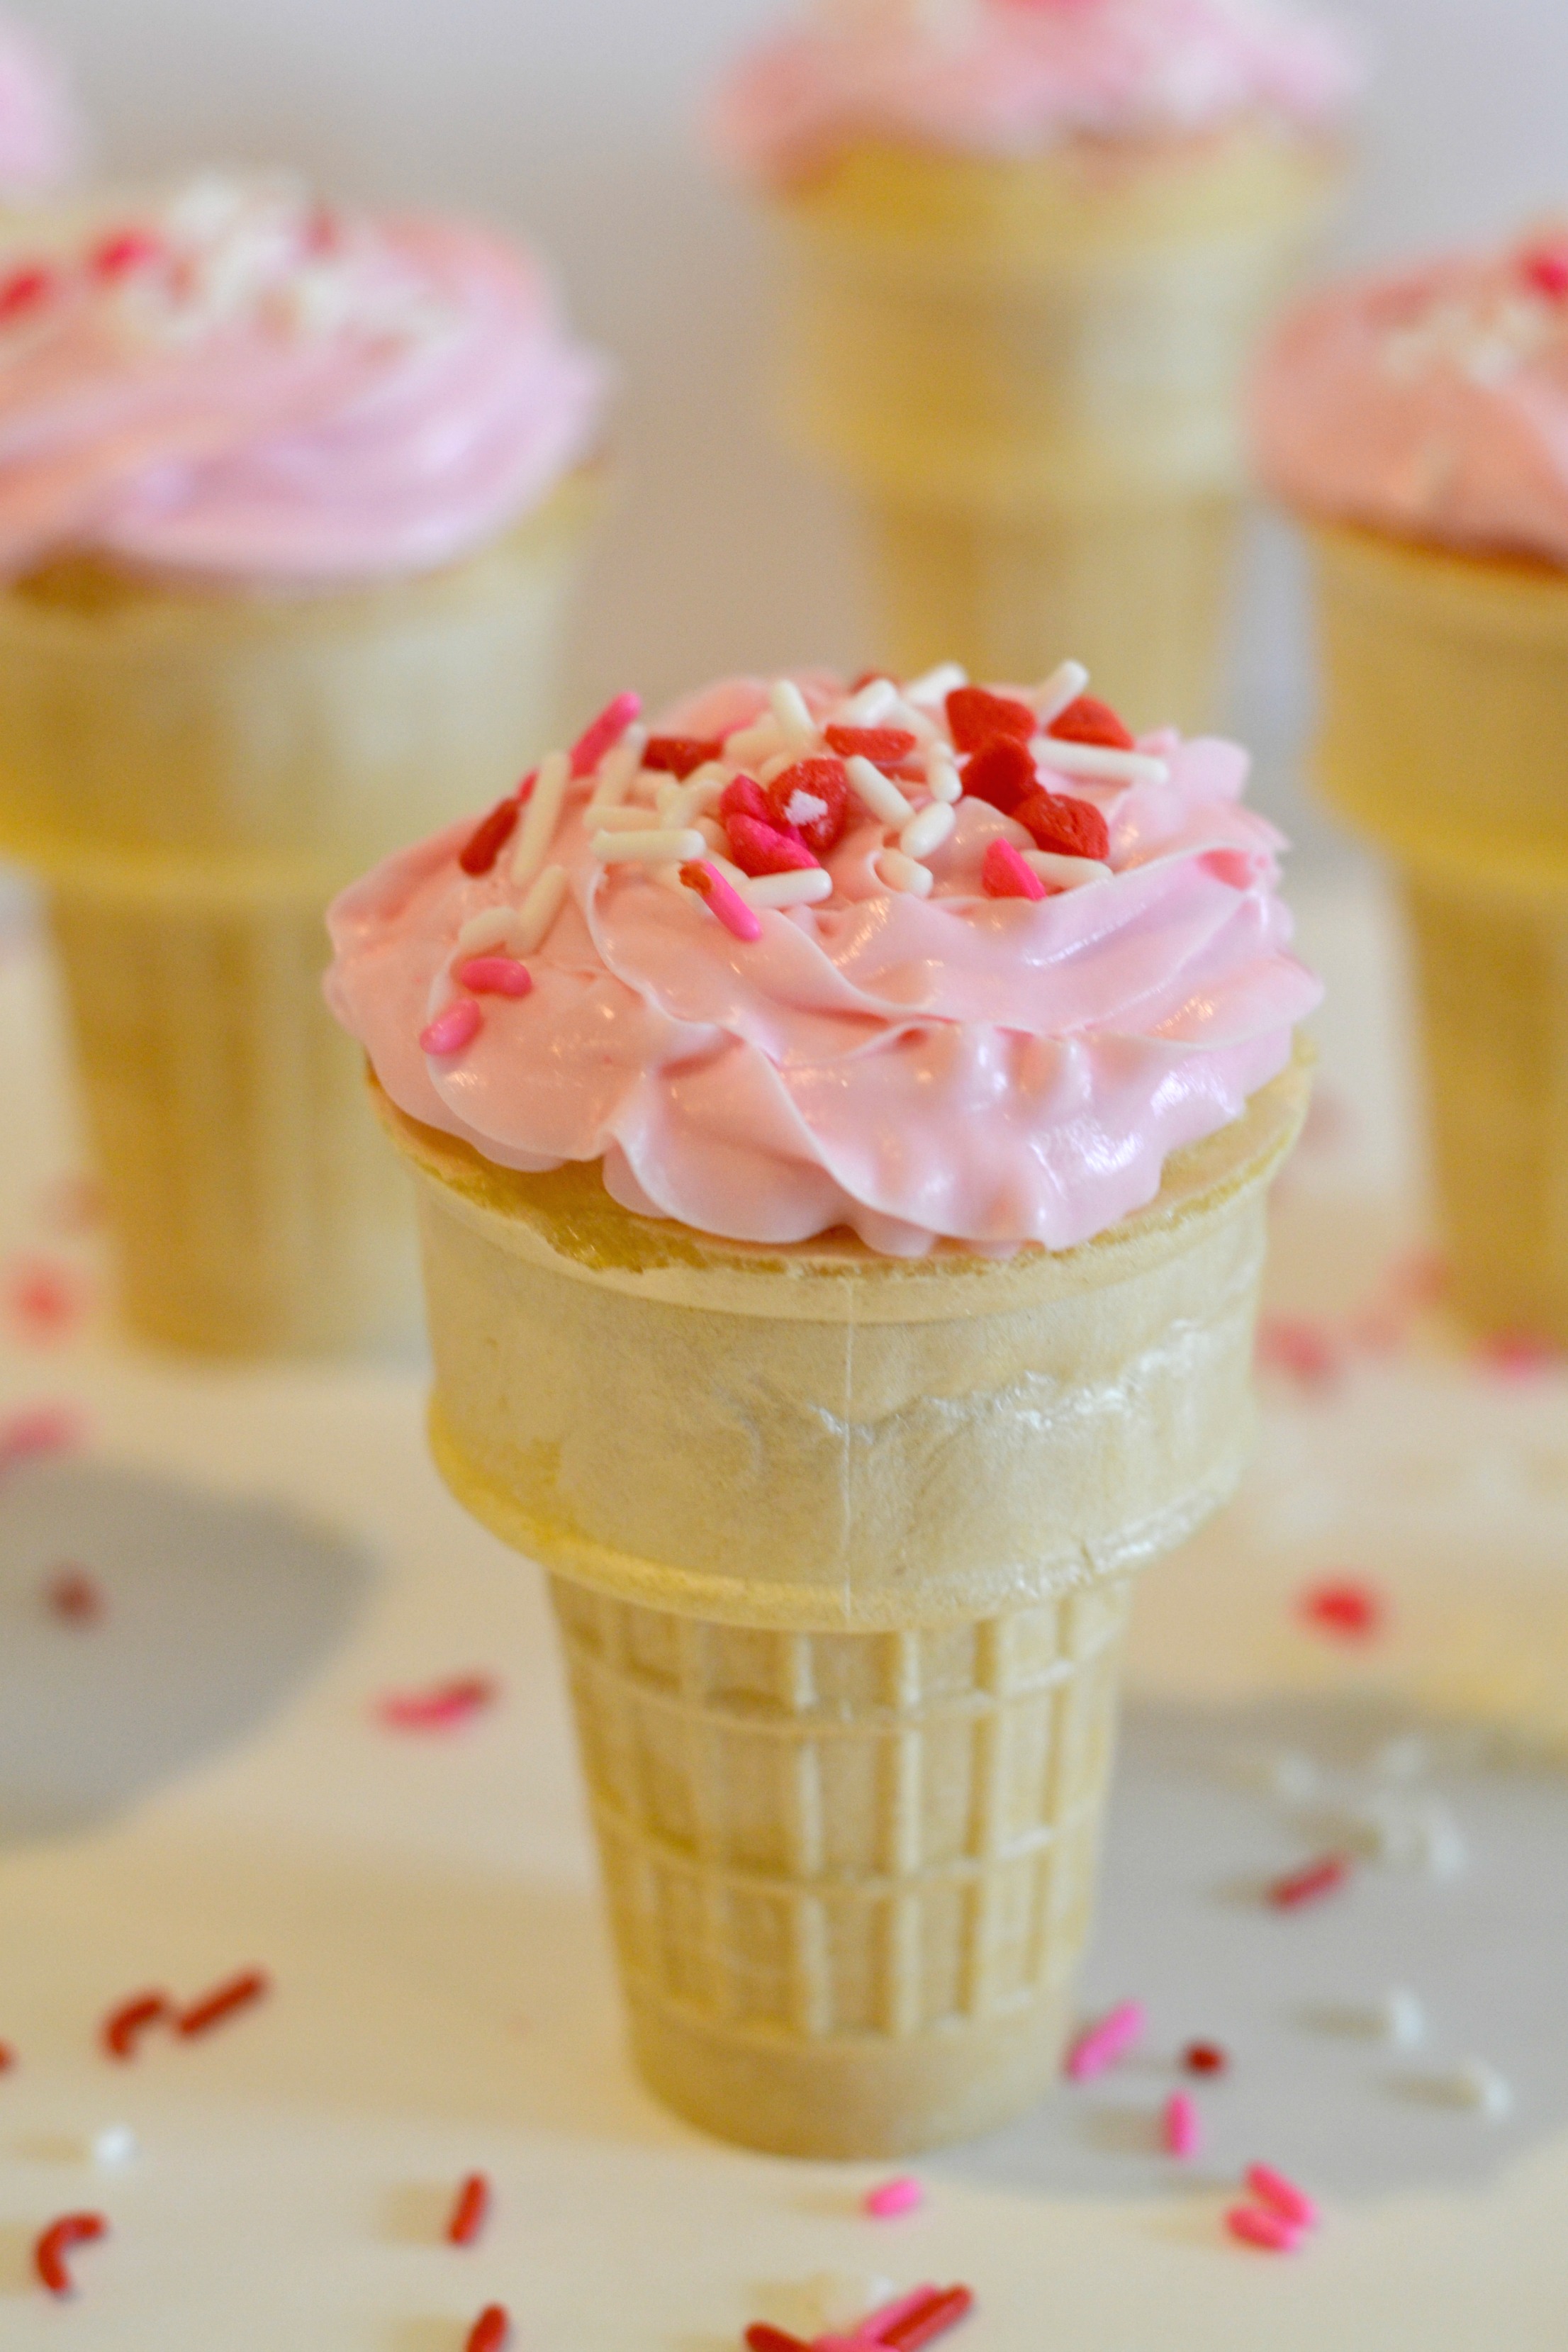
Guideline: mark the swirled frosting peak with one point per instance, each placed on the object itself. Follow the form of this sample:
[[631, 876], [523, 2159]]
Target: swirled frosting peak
[[1431, 402], [925, 960], [237, 380], [1015, 77]]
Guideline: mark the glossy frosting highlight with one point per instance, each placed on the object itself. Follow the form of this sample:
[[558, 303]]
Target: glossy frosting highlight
[[1432, 402], [985, 1070], [1008, 77], [238, 383]]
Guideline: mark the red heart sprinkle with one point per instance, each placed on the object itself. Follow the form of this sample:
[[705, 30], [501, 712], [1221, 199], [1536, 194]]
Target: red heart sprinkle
[[123, 250], [1347, 1609], [761, 849], [1546, 271], [1089, 721], [489, 837], [1072, 828], [1003, 774], [745, 797], [24, 290], [808, 801], [885, 747], [681, 755], [977, 719]]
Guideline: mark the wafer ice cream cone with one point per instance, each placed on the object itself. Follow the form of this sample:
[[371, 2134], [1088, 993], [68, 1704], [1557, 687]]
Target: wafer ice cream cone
[[800, 1314], [1023, 288], [842, 1549], [1408, 420], [219, 700]]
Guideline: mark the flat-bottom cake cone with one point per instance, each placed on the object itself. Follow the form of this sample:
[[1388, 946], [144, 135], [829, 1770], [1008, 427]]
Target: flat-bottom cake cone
[[253, 1206], [192, 775], [1140, 590], [841, 1549], [1029, 371], [1445, 738]]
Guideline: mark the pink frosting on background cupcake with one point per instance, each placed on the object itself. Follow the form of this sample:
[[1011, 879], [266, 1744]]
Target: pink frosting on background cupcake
[[1015, 76], [236, 381], [1431, 403], [40, 130], [990, 1068]]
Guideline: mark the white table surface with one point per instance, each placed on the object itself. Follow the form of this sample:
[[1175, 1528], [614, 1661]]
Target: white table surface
[[199, 1782]]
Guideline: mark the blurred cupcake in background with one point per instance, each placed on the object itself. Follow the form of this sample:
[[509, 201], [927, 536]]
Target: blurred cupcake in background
[[1418, 422], [1030, 245], [41, 138], [290, 500]]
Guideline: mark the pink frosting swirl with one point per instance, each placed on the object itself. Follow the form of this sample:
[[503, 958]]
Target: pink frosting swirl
[[40, 131], [1432, 404], [236, 382], [988, 1069], [1014, 76]]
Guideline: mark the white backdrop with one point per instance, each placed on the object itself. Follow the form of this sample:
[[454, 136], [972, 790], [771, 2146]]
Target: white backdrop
[[573, 120]]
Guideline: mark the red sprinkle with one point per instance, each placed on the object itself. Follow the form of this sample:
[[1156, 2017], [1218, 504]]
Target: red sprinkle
[[1003, 773], [1004, 875], [45, 1298], [1087, 720], [224, 2000], [489, 836], [75, 1596], [605, 733], [57, 2241], [123, 2027], [31, 1436], [885, 747], [1205, 2058], [945, 2308], [491, 2330], [441, 1709], [1349, 1609], [759, 849], [472, 2210], [977, 719], [1546, 271], [494, 975], [123, 250], [681, 755], [1073, 828], [1318, 1878], [1519, 1355], [25, 290], [811, 780], [452, 1030], [761, 2337], [1309, 1351], [745, 797], [7, 2057]]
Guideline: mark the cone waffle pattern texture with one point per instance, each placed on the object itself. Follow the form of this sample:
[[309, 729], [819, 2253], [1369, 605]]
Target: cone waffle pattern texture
[[860, 1843], [1031, 374], [841, 1551], [192, 777], [1446, 739], [252, 1203]]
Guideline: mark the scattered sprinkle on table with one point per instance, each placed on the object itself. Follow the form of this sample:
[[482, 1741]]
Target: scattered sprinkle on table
[[1310, 1884], [223, 2001], [58, 2242], [470, 2211], [442, 1707], [123, 2027]]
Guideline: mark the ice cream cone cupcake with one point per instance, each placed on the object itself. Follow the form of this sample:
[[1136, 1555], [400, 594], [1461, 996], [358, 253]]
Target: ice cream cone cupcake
[[1029, 245], [1417, 424], [290, 502], [842, 1122]]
